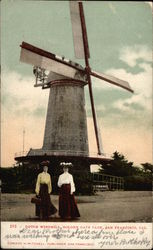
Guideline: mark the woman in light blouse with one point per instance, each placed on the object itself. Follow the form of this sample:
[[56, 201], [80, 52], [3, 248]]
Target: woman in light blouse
[[67, 204], [43, 189]]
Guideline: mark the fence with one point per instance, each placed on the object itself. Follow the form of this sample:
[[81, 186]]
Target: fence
[[107, 182]]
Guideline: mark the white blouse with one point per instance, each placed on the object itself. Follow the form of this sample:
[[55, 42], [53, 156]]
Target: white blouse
[[43, 178], [66, 178]]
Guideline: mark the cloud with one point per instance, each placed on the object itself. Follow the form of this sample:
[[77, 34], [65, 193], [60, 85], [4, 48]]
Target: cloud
[[135, 56], [130, 55], [141, 83], [98, 108], [23, 107], [20, 97]]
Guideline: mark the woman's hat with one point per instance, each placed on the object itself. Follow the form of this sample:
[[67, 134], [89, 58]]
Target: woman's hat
[[44, 163], [66, 164]]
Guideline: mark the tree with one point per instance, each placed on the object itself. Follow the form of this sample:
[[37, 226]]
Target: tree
[[134, 177], [147, 167], [137, 182], [119, 166]]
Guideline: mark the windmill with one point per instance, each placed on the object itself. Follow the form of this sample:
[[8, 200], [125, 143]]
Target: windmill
[[66, 127]]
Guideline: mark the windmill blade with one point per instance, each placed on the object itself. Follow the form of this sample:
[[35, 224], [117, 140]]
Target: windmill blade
[[77, 30], [46, 63], [86, 53], [112, 80], [100, 141], [46, 60], [99, 136]]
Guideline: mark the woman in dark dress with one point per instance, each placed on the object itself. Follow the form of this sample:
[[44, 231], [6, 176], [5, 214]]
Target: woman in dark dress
[[67, 203], [43, 190]]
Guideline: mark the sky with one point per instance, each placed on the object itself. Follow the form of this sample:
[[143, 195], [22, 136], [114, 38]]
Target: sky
[[120, 43]]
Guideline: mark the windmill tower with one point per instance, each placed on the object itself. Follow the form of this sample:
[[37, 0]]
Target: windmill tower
[[66, 125], [65, 134]]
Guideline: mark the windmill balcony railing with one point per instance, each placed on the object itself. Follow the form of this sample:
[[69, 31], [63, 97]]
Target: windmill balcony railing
[[41, 152]]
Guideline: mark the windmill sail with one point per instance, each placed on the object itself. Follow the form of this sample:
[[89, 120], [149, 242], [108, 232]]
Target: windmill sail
[[100, 141], [112, 80], [77, 30], [46, 63], [82, 51], [99, 136], [46, 60]]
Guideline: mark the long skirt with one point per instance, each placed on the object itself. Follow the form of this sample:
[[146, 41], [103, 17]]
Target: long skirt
[[46, 208], [67, 203]]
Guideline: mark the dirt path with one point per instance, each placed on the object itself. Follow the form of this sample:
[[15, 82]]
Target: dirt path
[[117, 206]]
